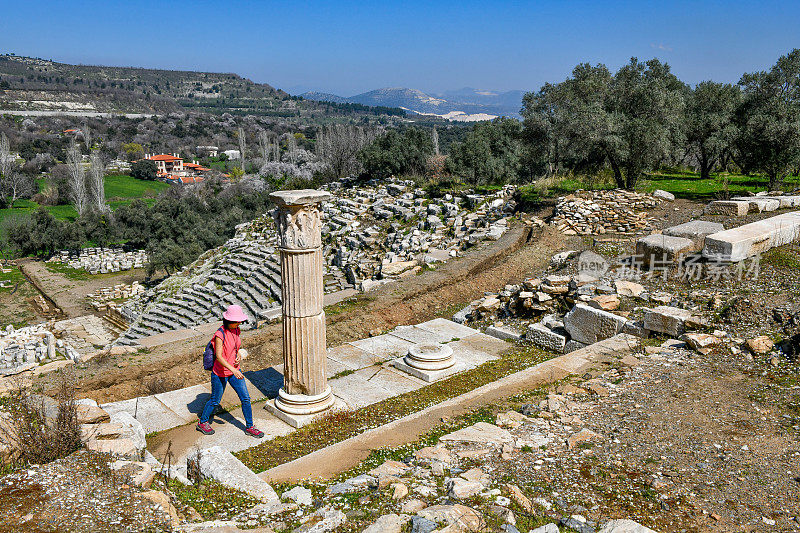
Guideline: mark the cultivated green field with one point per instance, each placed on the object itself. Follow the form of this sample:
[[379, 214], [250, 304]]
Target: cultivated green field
[[120, 190]]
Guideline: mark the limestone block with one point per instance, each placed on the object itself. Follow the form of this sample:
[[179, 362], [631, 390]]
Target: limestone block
[[664, 195], [480, 433], [503, 333], [696, 230], [546, 338], [588, 325], [667, 320], [730, 208], [663, 249], [737, 244], [624, 526], [220, 465], [759, 204]]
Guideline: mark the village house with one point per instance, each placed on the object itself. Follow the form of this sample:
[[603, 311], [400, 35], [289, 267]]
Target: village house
[[172, 169]]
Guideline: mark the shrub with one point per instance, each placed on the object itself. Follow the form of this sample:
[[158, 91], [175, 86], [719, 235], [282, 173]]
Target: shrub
[[41, 436]]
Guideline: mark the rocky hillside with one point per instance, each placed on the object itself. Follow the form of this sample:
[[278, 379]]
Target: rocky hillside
[[42, 85], [457, 105]]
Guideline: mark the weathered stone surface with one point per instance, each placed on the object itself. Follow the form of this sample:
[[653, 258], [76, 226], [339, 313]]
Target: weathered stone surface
[[462, 488], [606, 302], [628, 288], [584, 435], [623, 526], [588, 325], [667, 320], [546, 338], [701, 342], [552, 527], [481, 433], [696, 231], [729, 208], [389, 468], [91, 414], [663, 249], [220, 465], [434, 453], [388, 523], [325, 520], [503, 333], [141, 474], [511, 419], [131, 429], [299, 495], [759, 204], [746, 241], [467, 518], [117, 447], [760, 345], [664, 195]]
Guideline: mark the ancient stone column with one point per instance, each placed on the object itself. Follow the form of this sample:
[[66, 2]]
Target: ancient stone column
[[298, 221]]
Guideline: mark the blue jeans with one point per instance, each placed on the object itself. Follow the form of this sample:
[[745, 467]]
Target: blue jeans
[[218, 387]]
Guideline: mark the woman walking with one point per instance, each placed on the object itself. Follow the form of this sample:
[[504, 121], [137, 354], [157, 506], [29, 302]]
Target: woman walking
[[227, 359]]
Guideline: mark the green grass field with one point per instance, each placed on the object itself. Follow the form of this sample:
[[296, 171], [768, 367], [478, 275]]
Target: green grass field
[[691, 186], [120, 190]]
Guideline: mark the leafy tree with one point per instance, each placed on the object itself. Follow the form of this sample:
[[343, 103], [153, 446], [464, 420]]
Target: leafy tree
[[397, 153], [491, 153], [631, 120], [709, 124], [132, 150], [144, 169], [769, 119]]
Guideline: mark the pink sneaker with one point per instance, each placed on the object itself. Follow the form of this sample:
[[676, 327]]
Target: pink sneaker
[[253, 432], [204, 428]]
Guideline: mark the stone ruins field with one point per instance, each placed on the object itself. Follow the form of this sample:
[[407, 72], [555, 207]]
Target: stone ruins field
[[615, 362]]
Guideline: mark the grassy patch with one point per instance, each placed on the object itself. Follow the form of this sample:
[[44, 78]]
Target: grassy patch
[[122, 186], [348, 304], [339, 426], [79, 274], [786, 257], [690, 185], [211, 499]]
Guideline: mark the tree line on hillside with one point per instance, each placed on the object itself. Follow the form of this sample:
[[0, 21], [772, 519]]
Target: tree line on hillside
[[631, 122]]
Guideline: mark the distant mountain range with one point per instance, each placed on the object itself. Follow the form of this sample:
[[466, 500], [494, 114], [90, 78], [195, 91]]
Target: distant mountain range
[[463, 104]]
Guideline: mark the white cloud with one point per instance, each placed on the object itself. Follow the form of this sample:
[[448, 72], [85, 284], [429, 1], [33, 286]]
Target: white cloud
[[661, 46]]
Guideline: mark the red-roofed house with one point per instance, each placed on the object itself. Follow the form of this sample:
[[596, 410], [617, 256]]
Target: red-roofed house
[[172, 169]]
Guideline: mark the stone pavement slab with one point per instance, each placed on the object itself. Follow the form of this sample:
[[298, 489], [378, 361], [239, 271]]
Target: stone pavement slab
[[395, 382], [448, 328], [354, 358], [418, 335], [154, 415], [385, 346], [357, 391], [430, 376], [477, 349]]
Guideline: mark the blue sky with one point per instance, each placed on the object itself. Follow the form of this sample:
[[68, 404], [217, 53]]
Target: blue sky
[[350, 47]]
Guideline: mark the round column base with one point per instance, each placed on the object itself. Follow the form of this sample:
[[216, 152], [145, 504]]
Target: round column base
[[302, 404], [430, 357]]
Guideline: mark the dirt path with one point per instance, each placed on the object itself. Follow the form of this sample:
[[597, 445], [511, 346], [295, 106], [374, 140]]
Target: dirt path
[[433, 293], [70, 294]]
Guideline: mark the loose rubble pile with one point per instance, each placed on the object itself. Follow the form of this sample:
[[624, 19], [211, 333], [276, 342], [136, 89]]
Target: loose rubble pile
[[373, 234], [599, 212], [102, 298], [101, 260], [30, 346]]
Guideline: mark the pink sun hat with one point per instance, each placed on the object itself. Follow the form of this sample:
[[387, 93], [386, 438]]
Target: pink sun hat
[[234, 313]]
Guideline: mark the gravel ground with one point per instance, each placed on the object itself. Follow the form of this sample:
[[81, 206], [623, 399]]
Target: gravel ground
[[78, 493]]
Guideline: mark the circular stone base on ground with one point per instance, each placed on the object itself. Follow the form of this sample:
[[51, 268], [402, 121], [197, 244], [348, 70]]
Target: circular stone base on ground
[[430, 357], [301, 404]]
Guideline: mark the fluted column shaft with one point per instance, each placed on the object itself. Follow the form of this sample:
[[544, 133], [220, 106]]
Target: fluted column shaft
[[298, 220]]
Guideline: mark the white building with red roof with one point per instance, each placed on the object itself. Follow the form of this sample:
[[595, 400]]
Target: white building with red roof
[[171, 168]]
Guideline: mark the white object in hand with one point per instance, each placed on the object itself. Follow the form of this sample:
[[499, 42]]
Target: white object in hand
[[243, 354]]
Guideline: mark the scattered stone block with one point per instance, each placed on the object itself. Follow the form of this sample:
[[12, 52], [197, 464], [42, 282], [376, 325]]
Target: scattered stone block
[[728, 208], [118, 447], [701, 342], [468, 519], [584, 435], [696, 231], [737, 244], [220, 465], [606, 302], [323, 521], [760, 345], [624, 526], [299, 495], [388, 523], [667, 320], [546, 338], [503, 333], [462, 489], [588, 325], [628, 288], [91, 414], [759, 204], [664, 195], [663, 250], [480, 433]]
